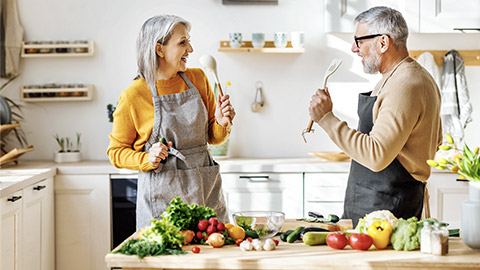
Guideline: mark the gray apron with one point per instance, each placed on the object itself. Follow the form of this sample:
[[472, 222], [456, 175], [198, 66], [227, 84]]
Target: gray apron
[[392, 189], [190, 171]]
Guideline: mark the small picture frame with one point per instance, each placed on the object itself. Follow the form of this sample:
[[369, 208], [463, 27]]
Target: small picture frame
[[250, 2]]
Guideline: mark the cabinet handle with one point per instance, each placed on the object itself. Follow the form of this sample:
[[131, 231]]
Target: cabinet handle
[[255, 178], [462, 180], [14, 198], [39, 187]]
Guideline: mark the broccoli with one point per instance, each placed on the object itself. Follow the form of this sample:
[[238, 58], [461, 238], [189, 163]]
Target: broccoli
[[406, 235]]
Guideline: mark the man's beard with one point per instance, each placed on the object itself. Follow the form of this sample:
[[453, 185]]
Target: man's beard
[[372, 62]]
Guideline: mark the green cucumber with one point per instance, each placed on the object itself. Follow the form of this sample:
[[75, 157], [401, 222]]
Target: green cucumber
[[295, 235], [284, 235]]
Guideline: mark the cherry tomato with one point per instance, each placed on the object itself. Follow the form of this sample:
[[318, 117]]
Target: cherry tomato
[[249, 239], [276, 242], [337, 240], [238, 242], [360, 241], [196, 249]]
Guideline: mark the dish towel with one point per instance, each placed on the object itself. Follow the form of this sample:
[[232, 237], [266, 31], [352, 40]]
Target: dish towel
[[456, 108], [427, 61], [11, 40]]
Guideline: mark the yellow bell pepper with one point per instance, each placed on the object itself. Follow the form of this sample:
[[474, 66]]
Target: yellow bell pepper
[[380, 231]]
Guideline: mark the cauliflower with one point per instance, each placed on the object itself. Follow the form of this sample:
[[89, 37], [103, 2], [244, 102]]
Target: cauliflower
[[380, 215]]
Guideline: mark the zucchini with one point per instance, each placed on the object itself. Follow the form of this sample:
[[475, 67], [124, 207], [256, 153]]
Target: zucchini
[[284, 235], [295, 235]]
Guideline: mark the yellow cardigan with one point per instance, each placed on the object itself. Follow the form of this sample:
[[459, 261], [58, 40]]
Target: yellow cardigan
[[134, 116]]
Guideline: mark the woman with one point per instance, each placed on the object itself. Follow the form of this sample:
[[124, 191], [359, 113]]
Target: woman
[[168, 100]]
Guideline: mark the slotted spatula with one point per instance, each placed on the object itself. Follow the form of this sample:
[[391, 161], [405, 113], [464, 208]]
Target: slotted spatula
[[331, 69]]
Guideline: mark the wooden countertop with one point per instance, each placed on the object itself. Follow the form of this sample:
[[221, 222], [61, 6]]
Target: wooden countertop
[[301, 256]]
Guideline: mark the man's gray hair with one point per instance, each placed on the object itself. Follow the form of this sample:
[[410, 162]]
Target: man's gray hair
[[385, 20], [157, 29]]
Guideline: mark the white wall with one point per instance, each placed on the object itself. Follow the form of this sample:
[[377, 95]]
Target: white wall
[[289, 79]]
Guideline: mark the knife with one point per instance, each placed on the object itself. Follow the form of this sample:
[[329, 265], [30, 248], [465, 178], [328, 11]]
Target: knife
[[315, 214]]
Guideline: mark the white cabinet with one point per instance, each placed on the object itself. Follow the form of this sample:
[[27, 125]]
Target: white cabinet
[[340, 14], [325, 192], [446, 197], [422, 16], [264, 191], [38, 226], [82, 221], [11, 231], [442, 16], [27, 231]]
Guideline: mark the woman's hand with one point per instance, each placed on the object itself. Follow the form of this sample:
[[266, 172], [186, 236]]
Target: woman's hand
[[224, 113], [158, 152]]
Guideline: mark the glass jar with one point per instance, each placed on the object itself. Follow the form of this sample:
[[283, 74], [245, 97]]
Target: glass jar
[[426, 237], [440, 239]]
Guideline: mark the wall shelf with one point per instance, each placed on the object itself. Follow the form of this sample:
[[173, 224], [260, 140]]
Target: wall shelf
[[470, 57], [268, 48], [36, 49], [62, 93]]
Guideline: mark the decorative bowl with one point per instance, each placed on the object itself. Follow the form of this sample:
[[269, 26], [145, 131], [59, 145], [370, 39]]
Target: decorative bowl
[[265, 223]]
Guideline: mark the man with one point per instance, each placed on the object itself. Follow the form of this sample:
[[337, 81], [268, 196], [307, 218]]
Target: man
[[399, 124]]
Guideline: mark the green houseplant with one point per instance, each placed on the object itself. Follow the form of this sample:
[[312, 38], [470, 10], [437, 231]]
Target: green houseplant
[[69, 152]]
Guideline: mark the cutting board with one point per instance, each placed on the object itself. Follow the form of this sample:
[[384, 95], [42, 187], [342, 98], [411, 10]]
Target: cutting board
[[342, 225]]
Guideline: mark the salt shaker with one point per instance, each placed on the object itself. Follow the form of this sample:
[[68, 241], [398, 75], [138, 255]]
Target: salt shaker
[[440, 239], [426, 237]]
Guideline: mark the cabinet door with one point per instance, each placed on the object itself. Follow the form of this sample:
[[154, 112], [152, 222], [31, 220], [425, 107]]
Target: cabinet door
[[340, 14], [38, 226], [442, 16], [325, 192], [11, 231], [260, 191], [446, 197], [82, 221]]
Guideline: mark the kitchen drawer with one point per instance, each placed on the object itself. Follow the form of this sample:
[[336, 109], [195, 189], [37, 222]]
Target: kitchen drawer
[[329, 187], [260, 191]]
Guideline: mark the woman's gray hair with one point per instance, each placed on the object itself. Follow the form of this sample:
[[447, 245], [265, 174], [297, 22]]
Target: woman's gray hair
[[157, 29], [385, 20]]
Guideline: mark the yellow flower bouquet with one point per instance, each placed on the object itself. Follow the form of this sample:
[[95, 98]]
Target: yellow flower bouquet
[[466, 163]]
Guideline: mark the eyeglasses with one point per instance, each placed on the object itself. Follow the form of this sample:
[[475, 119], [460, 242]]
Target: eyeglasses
[[367, 37]]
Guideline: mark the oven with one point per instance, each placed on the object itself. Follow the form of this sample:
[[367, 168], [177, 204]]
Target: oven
[[123, 189]]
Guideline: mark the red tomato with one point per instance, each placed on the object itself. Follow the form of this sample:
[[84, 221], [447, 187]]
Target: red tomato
[[360, 241], [276, 242], [196, 249], [238, 242], [202, 225], [249, 239], [213, 221], [337, 240]]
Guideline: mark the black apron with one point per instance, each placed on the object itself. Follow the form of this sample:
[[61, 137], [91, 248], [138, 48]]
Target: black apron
[[392, 189]]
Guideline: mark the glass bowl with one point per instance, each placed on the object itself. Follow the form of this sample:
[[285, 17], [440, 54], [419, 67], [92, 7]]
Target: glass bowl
[[265, 223]]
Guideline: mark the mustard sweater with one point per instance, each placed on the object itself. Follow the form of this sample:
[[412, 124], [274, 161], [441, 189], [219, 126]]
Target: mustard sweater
[[134, 117], [406, 119]]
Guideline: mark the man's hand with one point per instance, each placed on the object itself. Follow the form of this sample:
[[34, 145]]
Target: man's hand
[[320, 104]]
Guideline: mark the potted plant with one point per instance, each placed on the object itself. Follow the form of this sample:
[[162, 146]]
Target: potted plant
[[68, 151], [467, 164]]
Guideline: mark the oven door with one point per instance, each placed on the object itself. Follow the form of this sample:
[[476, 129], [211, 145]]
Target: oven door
[[123, 203]]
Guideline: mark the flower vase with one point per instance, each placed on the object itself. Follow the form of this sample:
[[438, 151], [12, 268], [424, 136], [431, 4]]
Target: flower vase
[[219, 150], [61, 157], [471, 217]]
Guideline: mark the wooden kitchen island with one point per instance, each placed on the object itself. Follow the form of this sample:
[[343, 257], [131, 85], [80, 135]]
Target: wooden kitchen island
[[301, 256]]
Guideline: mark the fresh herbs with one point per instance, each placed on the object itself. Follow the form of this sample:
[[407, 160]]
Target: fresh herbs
[[185, 216], [161, 238], [143, 248]]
